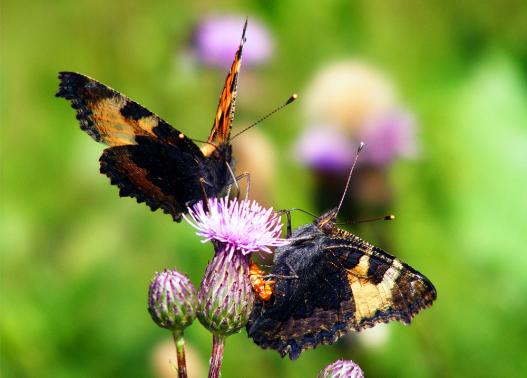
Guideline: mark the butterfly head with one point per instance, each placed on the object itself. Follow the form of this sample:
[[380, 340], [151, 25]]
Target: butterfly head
[[326, 222], [208, 149], [222, 152]]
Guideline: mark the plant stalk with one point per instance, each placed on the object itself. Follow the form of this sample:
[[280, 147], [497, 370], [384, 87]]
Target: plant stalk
[[217, 356], [179, 340]]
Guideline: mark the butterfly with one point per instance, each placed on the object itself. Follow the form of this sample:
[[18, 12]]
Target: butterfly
[[328, 282], [147, 158]]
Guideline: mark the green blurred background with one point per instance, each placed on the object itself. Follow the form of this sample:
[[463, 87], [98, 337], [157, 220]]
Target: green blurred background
[[77, 260]]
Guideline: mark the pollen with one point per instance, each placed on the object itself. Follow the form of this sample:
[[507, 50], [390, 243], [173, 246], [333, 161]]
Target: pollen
[[263, 288]]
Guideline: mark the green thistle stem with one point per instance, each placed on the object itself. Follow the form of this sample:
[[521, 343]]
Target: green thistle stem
[[217, 355], [179, 340]]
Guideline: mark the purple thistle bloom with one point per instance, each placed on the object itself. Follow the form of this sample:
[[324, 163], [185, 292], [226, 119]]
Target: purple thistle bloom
[[216, 39], [244, 226], [342, 369]]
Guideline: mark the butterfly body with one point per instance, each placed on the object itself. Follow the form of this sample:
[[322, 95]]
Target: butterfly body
[[344, 284], [147, 158]]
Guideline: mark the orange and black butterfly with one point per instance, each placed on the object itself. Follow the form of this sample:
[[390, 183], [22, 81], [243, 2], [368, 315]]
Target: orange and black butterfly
[[147, 158], [343, 284], [328, 282]]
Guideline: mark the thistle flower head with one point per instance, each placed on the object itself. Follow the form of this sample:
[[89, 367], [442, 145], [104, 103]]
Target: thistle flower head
[[237, 228], [225, 296], [172, 300], [244, 225], [342, 369]]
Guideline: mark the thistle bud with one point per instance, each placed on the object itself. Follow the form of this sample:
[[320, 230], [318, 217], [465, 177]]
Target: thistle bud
[[342, 369], [225, 296], [172, 300]]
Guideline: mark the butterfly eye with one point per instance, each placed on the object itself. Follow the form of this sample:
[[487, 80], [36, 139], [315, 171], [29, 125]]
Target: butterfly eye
[[327, 226]]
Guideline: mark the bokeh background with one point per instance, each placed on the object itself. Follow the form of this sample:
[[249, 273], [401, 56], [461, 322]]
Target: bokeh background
[[76, 259]]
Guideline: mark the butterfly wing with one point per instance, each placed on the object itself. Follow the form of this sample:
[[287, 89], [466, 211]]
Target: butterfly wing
[[147, 159], [160, 175], [345, 284], [111, 118], [221, 128]]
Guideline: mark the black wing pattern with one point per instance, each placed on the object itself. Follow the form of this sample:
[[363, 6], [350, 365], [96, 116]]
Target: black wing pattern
[[345, 284]]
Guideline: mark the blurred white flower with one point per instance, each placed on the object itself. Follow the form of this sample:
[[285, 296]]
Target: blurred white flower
[[348, 94], [374, 337]]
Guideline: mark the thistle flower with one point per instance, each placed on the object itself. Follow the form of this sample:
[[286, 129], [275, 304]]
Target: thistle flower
[[342, 369], [172, 300], [216, 39], [172, 304], [242, 226], [225, 296], [236, 228]]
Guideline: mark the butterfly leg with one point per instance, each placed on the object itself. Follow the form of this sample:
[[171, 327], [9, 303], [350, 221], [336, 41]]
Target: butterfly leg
[[291, 276], [288, 216], [236, 179], [229, 168], [246, 176], [202, 183]]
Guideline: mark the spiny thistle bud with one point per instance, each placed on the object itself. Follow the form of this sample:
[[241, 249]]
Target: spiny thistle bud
[[172, 300], [237, 228], [225, 296], [342, 369]]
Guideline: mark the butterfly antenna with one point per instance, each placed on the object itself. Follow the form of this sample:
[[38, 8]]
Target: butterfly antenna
[[386, 217], [289, 100], [361, 145], [182, 136], [244, 30]]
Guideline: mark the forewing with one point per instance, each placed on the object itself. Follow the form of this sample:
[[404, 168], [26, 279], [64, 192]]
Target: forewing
[[344, 285], [158, 174], [111, 118], [221, 129], [148, 159]]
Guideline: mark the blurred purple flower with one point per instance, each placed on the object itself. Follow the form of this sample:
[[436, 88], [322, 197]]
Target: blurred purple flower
[[342, 369], [242, 226], [324, 148], [388, 138], [216, 40]]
